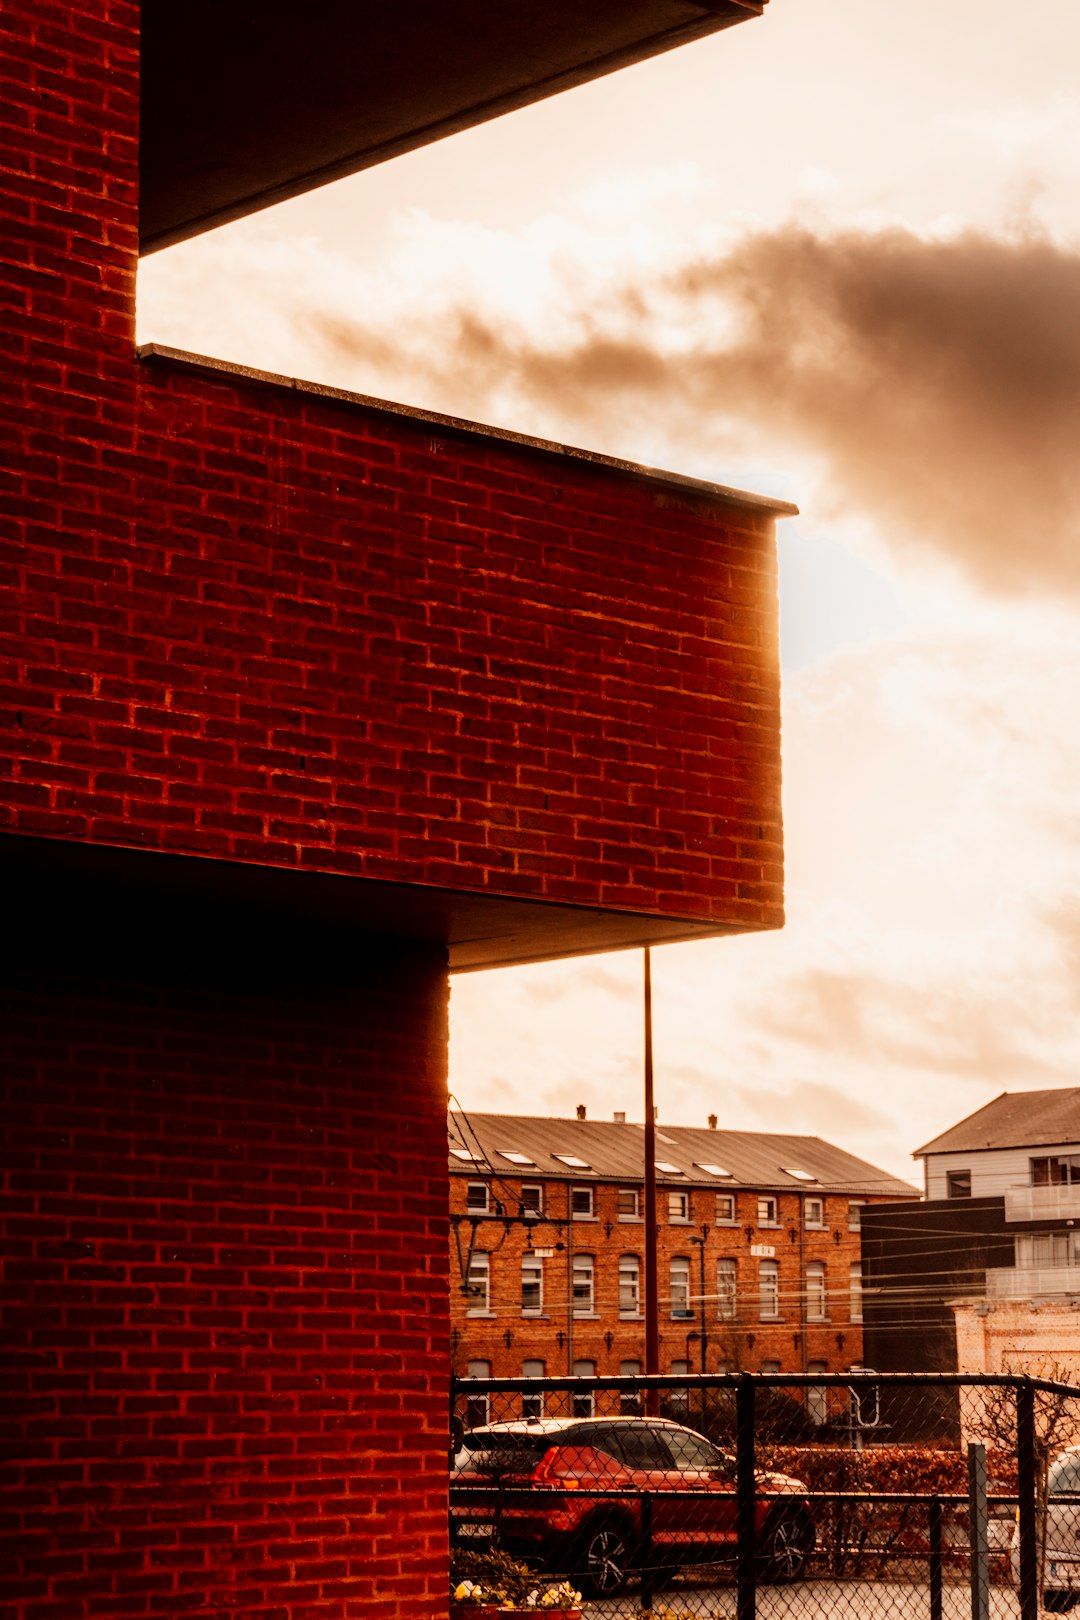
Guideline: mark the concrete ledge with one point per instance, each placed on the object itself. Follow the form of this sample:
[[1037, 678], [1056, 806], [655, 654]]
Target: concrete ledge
[[159, 353]]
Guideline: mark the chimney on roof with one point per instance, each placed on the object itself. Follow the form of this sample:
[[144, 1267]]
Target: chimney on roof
[[620, 1119], [581, 1110], [712, 1122]]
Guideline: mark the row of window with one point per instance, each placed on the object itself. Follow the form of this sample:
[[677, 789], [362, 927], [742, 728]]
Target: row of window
[[532, 1405], [478, 1201], [681, 1302]]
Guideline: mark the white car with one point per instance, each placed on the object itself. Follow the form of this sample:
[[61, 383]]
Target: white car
[[1061, 1572]]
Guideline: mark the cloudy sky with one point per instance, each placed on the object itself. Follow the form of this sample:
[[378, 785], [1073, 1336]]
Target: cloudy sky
[[832, 255]]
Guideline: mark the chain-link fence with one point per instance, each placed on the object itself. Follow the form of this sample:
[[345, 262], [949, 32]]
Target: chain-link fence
[[729, 1497]]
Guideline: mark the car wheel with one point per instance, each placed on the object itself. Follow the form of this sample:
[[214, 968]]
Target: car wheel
[[605, 1560], [785, 1546]]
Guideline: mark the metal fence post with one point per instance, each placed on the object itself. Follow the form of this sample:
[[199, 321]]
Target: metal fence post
[[1026, 1511], [978, 1524], [746, 1498], [936, 1594], [647, 1567]]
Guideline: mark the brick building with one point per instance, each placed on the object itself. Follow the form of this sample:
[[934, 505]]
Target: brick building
[[759, 1258], [304, 700]]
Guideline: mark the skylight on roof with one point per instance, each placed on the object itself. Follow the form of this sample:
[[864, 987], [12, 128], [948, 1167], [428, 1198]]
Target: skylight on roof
[[572, 1160], [670, 1140], [669, 1169], [463, 1153], [716, 1170], [797, 1175], [515, 1157]]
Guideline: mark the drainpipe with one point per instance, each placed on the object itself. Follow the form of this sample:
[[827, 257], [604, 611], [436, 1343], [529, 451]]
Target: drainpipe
[[802, 1278]]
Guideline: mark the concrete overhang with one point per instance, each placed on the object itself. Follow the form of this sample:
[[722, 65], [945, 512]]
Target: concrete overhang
[[74, 899], [246, 104]]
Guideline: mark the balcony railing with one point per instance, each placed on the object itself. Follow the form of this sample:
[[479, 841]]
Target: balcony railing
[[1042, 1203], [1032, 1282]]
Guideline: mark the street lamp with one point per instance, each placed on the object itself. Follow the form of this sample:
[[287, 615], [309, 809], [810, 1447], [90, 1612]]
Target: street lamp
[[703, 1332]]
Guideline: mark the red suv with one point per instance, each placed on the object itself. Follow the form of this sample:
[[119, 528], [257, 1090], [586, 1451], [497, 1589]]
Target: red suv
[[567, 1493]]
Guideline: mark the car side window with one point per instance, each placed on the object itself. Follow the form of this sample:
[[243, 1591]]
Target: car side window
[[598, 1439], [643, 1447], [693, 1451]]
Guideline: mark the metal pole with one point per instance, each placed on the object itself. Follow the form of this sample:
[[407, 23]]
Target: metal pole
[[745, 1498], [647, 1565], [652, 1298], [704, 1323], [1026, 1510], [977, 1534], [936, 1593], [570, 1278]]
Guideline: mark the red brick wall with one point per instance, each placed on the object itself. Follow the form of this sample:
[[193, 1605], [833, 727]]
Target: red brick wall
[[246, 621], [225, 1329], [251, 622]]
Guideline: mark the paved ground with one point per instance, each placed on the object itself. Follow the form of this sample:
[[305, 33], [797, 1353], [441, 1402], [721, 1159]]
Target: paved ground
[[810, 1600]]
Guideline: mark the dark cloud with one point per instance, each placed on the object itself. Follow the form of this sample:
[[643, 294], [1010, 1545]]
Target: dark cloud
[[937, 381]]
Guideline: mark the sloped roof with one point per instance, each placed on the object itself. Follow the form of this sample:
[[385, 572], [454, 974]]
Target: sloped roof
[[615, 1152], [1015, 1119]]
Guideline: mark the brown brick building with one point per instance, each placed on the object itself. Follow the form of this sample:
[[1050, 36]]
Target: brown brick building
[[759, 1256]]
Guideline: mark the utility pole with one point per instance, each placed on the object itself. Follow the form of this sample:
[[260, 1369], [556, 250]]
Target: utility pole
[[652, 1298]]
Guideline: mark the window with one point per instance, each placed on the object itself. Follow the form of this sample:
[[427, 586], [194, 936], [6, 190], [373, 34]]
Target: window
[[814, 1213], [1057, 1171], [770, 1366], [583, 1399], [769, 1288], [815, 1291], [476, 1406], [855, 1286], [679, 1399], [477, 1198], [478, 1289], [532, 1200], [532, 1285], [1045, 1248], [958, 1183], [817, 1396], [680, 1285], [465, 1156], [532, 1406], [666, 1167], [796, 1174], [767, 1212], [716, 1170], [629, 1285], [629, 1204], [726, 1282], [584, 1274], [581, 1202], [678, 1206], [629, 1399], [515, 1157], [572, 1160], [726, 1213], [854, 1215]]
